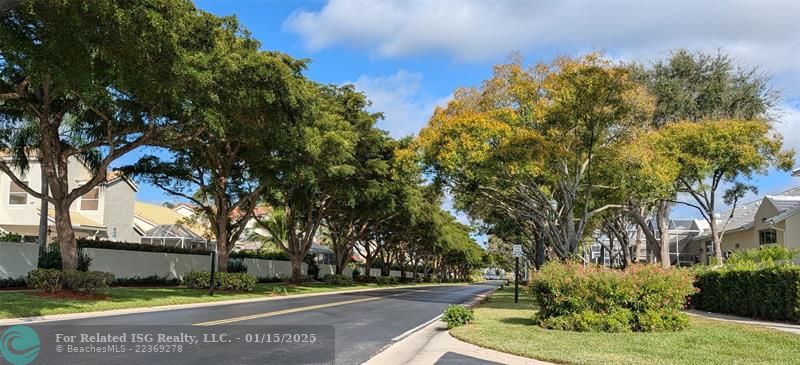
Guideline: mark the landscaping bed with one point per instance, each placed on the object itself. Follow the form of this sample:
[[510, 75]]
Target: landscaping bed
[[501, 325]]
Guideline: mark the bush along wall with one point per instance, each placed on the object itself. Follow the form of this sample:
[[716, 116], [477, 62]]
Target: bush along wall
[[223, 280], [767, 293], [86, 282], [643, 298]]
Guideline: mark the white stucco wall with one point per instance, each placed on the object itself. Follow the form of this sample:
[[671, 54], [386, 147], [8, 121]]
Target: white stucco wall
[[270, 268], [126, 264], [17, 259]]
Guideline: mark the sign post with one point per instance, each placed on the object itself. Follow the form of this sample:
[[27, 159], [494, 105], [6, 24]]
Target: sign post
[[517, 253]]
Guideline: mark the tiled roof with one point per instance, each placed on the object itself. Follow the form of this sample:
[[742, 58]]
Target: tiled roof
[[744, 215], [78, 219], [787, 206], [160, 215]]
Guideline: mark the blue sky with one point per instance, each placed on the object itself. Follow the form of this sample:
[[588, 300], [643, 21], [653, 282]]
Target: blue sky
[[409, 56]]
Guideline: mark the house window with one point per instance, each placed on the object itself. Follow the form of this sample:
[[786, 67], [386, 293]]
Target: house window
[[767, 236], [91, 200], [17, 195], [710, 247]]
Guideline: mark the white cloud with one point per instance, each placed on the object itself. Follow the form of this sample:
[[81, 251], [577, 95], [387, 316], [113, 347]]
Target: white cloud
[[400, 98], [764, 33], [788, 126]]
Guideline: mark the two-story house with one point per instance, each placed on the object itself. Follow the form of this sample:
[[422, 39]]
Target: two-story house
[[104, 212], [773, 219]]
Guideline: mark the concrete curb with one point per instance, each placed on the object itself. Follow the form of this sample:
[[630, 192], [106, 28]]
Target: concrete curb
[[117, 312]]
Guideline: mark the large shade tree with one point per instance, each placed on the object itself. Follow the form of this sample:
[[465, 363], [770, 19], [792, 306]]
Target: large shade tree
[[92, 83], [687, 87], [529, 142], [309, 172], [717, 158], [249, 97]]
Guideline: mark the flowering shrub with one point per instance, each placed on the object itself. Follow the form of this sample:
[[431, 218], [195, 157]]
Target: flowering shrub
[[596, 299]]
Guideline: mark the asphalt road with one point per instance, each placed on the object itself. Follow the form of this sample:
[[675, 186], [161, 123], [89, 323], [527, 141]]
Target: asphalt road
[[364, 323]]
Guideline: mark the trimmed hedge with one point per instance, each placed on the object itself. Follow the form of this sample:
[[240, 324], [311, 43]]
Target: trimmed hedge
[[333, 279], [89, 282], [271, 279], [51, 280], [768, 293], [133, 246], [9, 283], [223, 280], [596, 299], [264, 255], [386, 280], [152, 280], [51, 259]]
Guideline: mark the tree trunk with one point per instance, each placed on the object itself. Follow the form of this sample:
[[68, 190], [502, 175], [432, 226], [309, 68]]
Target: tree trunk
[[297, 268], [662, 216], [66, 238], [640, 220], [222, 244], [638, 246], [540, 253], [342, 258], [602, 255], [339, 267], [717, 238]]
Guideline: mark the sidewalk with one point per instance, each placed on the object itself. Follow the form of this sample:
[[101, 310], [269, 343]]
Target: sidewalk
[[433, 345], [780, 326]]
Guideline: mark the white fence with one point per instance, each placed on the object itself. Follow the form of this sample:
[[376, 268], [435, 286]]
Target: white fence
[[17, 259]]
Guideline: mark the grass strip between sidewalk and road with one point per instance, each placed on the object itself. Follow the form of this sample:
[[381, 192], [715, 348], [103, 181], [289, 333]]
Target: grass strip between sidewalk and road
[[18, 304], [502, 325]]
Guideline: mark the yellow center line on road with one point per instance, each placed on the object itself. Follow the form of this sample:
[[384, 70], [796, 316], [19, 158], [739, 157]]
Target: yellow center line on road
[[301, 309]]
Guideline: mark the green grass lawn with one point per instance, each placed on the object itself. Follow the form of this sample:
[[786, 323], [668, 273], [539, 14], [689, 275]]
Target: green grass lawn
[[28, 304], [502, 325]]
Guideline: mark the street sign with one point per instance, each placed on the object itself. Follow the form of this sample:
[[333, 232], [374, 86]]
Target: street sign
[[517, 251]]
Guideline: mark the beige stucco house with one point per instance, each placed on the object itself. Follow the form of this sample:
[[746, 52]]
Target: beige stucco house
[[104, 212], [773, 219]]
